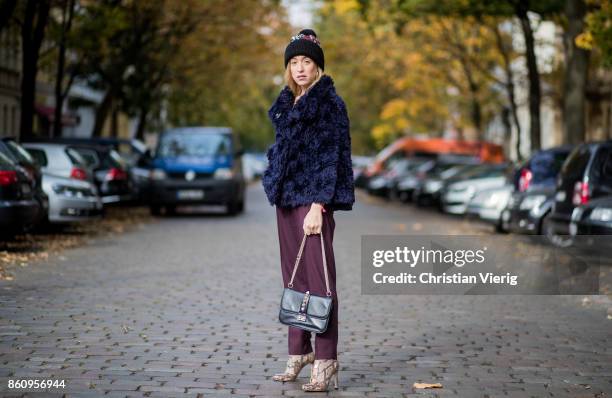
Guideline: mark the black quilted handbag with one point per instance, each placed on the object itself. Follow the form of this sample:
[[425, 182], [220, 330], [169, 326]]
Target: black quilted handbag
[[306, 310]]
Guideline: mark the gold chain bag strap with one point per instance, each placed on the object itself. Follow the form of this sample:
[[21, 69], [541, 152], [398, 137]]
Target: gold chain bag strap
[[305, 310]]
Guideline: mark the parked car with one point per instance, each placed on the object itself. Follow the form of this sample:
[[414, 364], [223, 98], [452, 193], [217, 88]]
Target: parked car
[[407, 174], [591, 230], [360, 165], [70, 199], [23, 160], [198, 165], [384, 183], [110, 171], [59, 160], [430, 183], [592, 218], [489, 204], [525, 211], [585, 175], [132, 150], [534, 190], [134, 155], [456, 195], [19, 209]]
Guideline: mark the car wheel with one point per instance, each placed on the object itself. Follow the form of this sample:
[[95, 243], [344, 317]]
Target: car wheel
[[170, 210], [500, 227], [232, 208], [155, 210], [552, 236]]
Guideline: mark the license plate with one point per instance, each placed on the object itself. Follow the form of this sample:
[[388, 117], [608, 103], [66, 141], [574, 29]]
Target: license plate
[[560, 196], [25, 188], [190, 194]]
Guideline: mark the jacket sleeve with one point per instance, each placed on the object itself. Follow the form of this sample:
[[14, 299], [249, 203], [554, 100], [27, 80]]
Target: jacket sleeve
[[333, 133]]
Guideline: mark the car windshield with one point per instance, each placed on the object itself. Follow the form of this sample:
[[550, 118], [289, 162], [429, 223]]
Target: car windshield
[[194, 144]]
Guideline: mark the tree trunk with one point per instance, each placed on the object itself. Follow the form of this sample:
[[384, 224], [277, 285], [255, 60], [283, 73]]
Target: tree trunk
[[101, 114], [577, 63], [142, 123], [115, 120], [510, 90], [7, 7], [32, 33], [534, 77], [68, 7]]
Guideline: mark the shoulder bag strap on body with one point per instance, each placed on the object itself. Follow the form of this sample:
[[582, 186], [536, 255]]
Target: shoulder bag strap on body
[[297, 262]]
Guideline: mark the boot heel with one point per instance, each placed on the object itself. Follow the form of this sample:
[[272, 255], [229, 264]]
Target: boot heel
[[336, 380]]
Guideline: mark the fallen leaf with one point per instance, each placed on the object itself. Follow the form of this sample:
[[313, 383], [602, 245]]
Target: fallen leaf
[[427, 385]]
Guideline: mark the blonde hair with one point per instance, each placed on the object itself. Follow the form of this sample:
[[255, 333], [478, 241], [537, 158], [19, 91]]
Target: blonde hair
[[295, 88]]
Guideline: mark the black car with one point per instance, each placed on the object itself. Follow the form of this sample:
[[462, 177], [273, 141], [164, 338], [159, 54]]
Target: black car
[[593, 218], [385, 183], [430, 185], [19, 209], [28, 165], [111, 173], [585, 175], [534, 190]]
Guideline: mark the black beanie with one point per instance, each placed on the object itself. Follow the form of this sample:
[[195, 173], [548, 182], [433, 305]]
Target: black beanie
[[305, 43]]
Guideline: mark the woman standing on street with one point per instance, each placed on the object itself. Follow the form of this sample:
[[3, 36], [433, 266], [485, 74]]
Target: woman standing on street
[[309, 176]]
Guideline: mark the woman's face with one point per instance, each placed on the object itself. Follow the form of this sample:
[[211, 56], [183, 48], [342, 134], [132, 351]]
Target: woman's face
[[303, 70]]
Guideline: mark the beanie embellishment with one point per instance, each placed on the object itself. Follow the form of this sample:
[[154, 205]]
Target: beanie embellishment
[[311, 38]]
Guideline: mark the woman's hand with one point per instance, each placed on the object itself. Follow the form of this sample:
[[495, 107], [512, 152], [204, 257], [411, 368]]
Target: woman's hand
[[313, 220]]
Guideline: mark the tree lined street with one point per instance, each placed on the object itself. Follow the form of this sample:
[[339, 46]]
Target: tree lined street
[[188, 306]]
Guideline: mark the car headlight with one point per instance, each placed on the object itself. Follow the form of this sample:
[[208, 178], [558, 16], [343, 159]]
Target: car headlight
[[223, 173], [531, 202], [407, 183], [433, 186], [495, 199], [158, 174], [603, 214]]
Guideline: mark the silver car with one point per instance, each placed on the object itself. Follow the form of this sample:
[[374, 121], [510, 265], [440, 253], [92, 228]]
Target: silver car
[[60, 160], [456, 196], [70, 199], [489, 204]]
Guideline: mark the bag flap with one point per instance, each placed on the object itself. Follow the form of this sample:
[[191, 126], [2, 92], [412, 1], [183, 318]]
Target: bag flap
[[318, 306]]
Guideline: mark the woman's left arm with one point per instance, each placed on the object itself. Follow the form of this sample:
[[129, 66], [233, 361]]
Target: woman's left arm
[[333, 134]]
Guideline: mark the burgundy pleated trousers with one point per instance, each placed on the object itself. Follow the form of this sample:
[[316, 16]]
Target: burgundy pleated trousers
[[310, 275]]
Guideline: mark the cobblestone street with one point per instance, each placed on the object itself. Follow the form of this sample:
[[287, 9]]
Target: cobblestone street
[[188, 306]]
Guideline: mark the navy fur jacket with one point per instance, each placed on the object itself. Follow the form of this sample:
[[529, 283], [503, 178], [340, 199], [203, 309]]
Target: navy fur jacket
[[310, 160]]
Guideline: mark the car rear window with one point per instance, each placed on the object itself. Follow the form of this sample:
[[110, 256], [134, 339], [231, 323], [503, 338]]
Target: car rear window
[[602, 167], [19, 152], [76, 158], [89, 155], [5, 162], [112, 159], [577, 162], [194, 144], [39, 156], [546, 165]]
